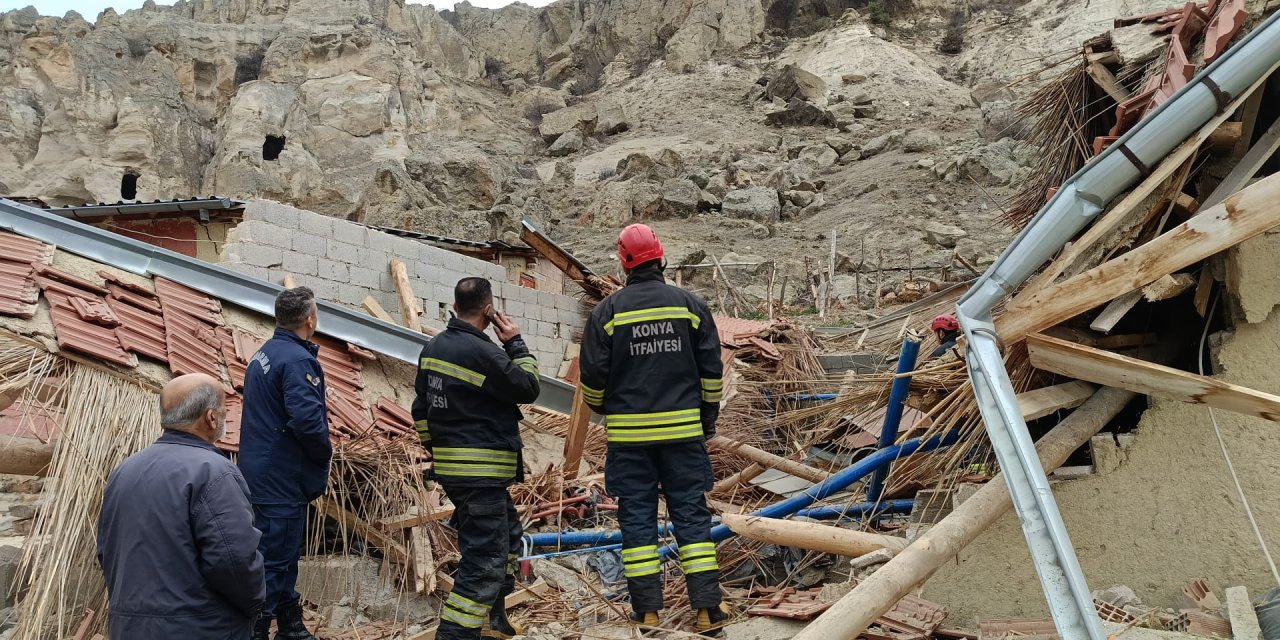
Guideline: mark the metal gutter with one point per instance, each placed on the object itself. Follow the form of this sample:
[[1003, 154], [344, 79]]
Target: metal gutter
[[1075, 204], [143, 208], [257, 295]]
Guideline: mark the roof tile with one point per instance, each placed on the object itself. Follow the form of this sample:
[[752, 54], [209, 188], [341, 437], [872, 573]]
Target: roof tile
[[95, 310], [139, 301], [18, 249], [71, 279]]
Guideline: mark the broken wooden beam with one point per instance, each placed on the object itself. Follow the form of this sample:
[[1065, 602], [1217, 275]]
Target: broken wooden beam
[[392, 549], [811, 535], [745, 475], [424, 561], [1248, 166], [760, 456], [374, 309], [1115, 370], [408, 303], [1115, 312], [574, 440], [25, 456], [1107, 80], [880, 591], [1039, 403], [1167, 287], [1244, 215], [415, 519]]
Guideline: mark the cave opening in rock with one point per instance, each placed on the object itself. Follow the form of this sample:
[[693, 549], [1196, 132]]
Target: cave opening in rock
[[271, 147], [129, 186]]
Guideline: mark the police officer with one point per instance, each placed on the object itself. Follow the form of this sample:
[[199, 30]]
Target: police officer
[[651, 365], [467, 415], [284, 453]]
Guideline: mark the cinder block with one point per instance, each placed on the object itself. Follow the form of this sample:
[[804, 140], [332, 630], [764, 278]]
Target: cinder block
[[316, 224], [277, 214], [514, 308], [343, 252], [571, 318], [311, 245], [350, 232], [351, 295], [324, 289], [299, 263], [386, 283], [441, 292], [260, 256], [273, 236], [249, 270], [383, 241], [365, 277], [334, 271]]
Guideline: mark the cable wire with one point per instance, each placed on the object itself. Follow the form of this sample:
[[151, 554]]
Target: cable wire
[[1204, 339]]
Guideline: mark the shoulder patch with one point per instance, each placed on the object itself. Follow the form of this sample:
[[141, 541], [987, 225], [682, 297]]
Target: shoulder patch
[[315, 382]]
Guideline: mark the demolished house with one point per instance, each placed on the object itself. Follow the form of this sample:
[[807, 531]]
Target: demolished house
[[893, 499]]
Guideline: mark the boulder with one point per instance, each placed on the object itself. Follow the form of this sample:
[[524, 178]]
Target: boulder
[[708, 201], [568, 143], [819, 155], [793, 82], [666, 166], [558, 123], [841, 145], [943, 235], [853, 78], [800, 113], [753, 203], [880, 144], [991, 91], [612, 118], [921, 140], [681, 198], [800, 198]]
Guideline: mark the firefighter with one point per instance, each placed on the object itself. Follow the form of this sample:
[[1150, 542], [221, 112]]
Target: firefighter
[[467, 416], [651, 365], [947, 330]]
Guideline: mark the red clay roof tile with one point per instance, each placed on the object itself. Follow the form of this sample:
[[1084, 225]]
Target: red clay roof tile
[[78, 335], [139, 301], [18, 249], [71, 279], [112, 278], [95, 310]]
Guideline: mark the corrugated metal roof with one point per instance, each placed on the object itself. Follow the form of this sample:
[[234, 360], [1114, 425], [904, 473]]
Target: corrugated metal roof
[[212, 207]]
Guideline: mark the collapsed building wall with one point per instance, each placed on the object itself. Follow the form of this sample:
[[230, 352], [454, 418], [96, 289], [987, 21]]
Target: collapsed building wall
[[1168, 513], [344, 262]]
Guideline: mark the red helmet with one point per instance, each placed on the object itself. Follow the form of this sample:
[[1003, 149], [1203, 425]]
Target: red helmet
[[638, 244], [945, 322]]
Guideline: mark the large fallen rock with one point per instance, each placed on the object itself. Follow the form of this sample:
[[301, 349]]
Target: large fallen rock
[[943, 235], [753, 203], [793, 82], [880, 144], [665, 166], [799, 113], [921, 140], [680, 198], [819, 155], [557, 123], [612, 118], [568, 143]]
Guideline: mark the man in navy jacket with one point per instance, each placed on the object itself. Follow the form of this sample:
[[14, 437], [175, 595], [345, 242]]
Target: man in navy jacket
[[176, 540], [284, 453]]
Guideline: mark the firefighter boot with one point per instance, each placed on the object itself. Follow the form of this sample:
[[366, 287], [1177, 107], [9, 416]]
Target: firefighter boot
[[711, 620], [645, 618], [289, 624], [262, 628], [499, 626]]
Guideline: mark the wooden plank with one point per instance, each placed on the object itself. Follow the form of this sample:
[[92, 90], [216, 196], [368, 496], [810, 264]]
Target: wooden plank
[[408, 302], [424, 561], [82, 633], [289, 282], [1203, 288], [1073, 256], [797, 469], [745, 475], [1170, 286], [392, 549], [414, 519], [1127, 341], [1039, 403], [1115, 370], [1249, 213], [1248, 166], [535, 591], [1107, 80], [811, 535], [577, 436], [1116, 311], [374, 309]]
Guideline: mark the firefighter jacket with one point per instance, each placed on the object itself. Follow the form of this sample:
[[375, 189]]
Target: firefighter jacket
[[651, 363], [466, 411]]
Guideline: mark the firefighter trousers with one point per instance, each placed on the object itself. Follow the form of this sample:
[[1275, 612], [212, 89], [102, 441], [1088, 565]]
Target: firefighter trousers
[[682, 472], [489, 540]]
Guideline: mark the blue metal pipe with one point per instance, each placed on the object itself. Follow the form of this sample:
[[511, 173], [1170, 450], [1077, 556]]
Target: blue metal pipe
[[855, 510], [893, 413]]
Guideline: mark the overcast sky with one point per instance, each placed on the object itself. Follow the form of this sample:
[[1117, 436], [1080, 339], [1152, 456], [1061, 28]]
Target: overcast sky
[[91, 8]]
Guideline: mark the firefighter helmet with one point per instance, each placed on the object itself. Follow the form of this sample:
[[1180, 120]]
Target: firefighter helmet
[[638, 244], [945, 322]]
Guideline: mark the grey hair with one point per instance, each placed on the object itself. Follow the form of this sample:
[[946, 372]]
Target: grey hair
[[202, 398], [294, 306]]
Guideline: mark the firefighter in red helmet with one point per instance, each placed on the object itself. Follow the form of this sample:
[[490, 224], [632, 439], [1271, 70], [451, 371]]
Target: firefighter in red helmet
[[651, 365], [947, 330]]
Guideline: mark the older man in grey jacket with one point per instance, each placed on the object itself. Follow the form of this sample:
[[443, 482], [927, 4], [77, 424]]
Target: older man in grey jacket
[[176, 538]]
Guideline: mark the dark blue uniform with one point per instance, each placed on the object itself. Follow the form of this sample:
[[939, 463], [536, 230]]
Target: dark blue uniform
[[177, 545], [651, 365], [466, 414], [284, 453]]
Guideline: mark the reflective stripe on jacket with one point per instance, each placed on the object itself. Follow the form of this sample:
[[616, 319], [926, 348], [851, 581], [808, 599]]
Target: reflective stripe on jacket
[[651, 363], [466, 411]]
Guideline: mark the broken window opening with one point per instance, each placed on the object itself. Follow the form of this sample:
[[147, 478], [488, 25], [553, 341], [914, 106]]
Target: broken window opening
[[271, 148], [129, 186]]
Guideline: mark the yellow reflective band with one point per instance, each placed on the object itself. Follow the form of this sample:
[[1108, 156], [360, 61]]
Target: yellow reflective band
[[700, 566], [653, 419], [712, 384], [483, 455], [467, 604], [474, 470], [595, 396], [709, 396], [655, 435], [528, 363], [452, 370], [640, 570], [649, 315], [696, 547], [639, 552], [466, 621]]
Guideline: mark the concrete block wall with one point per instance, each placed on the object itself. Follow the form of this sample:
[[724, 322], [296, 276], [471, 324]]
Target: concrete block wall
[[343, 262]]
